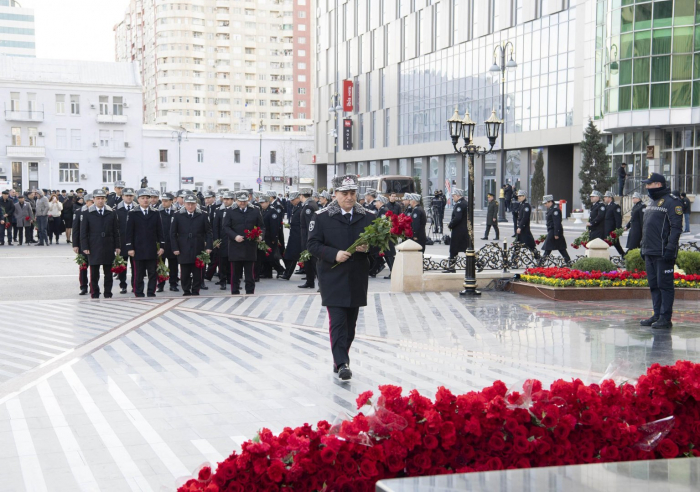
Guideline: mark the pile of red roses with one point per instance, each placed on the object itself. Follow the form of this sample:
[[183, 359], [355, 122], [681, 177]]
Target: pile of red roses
[[492, 429], [571, 274], [400, 224]]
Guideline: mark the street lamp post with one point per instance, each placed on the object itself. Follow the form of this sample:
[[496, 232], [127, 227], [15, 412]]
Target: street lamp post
[[334, 109], [499, 54], [465, 129], [260, 132], [177, 134]]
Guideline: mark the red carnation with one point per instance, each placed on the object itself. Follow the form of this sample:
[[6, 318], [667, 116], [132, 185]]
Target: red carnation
[[364, 399], [204, 474], [276, 471]]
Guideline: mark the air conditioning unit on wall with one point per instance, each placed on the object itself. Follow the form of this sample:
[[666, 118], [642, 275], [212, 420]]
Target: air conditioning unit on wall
[[163, 164], [83, 176], [219, 182]]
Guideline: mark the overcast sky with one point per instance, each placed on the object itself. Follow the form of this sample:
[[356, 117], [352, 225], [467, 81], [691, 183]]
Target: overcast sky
[[76, 29]]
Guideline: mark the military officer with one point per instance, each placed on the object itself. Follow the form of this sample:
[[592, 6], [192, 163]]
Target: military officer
[[379, 262], [406, 202], [555, 231], [271, 221], [114, 198], [242, 253], [280, 207], [218, 233], [167, 212], [125, 206], [613, 219], [344, 288], [99, 240], [324, 198], [309, 208], [596, 221], [144, 235], [419, 220], [75, 231], [154, 199], [523, 230], [293, 249], [370, 196], [514, 209], [634, 226], [459, 225], [190, 234], [660, 235]]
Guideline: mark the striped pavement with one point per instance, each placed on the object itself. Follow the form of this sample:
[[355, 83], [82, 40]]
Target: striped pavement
[[132, 395]]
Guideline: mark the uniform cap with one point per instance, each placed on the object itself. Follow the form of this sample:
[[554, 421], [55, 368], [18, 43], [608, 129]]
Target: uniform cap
[[521, 193], [190, 199], [371, 192], [229, 195], [99, 192], [609, 194], [128, 192], [487, 194], [547, 198], [209, 194], [315, 195], [636, 194], [655, 178], [154, 192], [272, 194], [183, 194], [458, 192], [416, 197], [79, 190], [345, 183], [167, 196], [263, 198], [383, 199], [596, 193], [119, 184], [293, 195], [306, 191], [325, 194], [143, 192], [88, 197], [242, 196]]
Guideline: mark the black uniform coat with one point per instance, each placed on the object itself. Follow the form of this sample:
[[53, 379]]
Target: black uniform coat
[[144, 233], [634, 238], [218, 229], [554, 228], [514, 209], [99, 234], [293, 249], [122, 212], [166, 221], [492, 213], [271, 225], [525, 235], [418, 225], [113, 200], [234, 224], [597, 221], [663, 224], [613, 218], [459, 226], [308, 209], [189, 235], [330, 232], [78, 212]]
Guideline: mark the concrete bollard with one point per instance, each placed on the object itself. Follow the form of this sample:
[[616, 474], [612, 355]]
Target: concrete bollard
[[407, 272], [598, 249]]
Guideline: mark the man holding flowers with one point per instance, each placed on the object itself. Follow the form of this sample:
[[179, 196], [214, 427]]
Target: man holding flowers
[[243, 226]]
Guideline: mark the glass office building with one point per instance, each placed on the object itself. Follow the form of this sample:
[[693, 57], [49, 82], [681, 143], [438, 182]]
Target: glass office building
[[16, 30]]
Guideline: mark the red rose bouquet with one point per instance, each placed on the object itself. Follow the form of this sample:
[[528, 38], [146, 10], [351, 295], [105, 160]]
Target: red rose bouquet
[[303, 258], [541, 239], [7, 224], [118, 265], [253, 235], [82, 262], [202, 260], [383, 231], [615, 236], [582, 240], [162, 271], [262, 246], [28, 218]]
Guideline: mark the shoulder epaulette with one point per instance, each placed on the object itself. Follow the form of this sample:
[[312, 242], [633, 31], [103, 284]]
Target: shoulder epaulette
[[325, 209]]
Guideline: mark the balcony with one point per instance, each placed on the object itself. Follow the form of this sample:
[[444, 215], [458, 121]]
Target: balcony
[[112, 153], [26, 151], [32, 116], [119, 119]]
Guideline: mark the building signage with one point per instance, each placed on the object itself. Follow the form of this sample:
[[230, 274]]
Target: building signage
[[188, 181], [650, 152], [347, 134], [347, 96], [274, 179]]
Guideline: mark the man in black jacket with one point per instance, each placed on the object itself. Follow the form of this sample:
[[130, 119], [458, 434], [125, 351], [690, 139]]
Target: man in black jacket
[[167, 211], [419, 220], [459, 225], [508, 195], [555, 231], [144, 232], [99, 240], [293, 250], [218, 234], [308, 209], [78, 212], [686, 211], [394, 205], [634, 238], [613, 219], [523, 230], [242, 252], [190, 234], [596, 220], [343, 288], [7, 212], [621, 178], [514, 209], [125, 206], [114, 198], [491, 217]]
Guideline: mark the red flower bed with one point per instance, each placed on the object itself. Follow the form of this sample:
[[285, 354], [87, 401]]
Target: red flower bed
[[492, 429], [570, 274]]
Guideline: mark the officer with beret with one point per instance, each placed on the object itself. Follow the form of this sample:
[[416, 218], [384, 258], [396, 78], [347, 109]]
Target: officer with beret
[[309, 207], [242, 253], [114, 198], [100, 240], [144, 235], [190, 235], [634, 226], [596, 221], [419, 220], [459, 225], [167, 211], [523, 230], [555, 231], [125, 206], [663, 225], [293, 250], [343, 288], [75, 232]]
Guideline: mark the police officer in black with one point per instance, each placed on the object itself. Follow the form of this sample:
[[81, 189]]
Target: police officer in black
[[144, 233], [280, 207], [224, 209], [190, 234], [514, 209], [242, 253], [343, 288], [309, 208], [167, 211], [126, 205], [75, 233], [115, 197], [596, 221], [634, 226], [293, 250], [555, 231], [460, 228], [613, 219], [420, 220], [437, 209], [99, 240], [524, 235], [661, 232]]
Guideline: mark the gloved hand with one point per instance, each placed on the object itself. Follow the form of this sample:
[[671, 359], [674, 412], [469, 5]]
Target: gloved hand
[[669, 255]]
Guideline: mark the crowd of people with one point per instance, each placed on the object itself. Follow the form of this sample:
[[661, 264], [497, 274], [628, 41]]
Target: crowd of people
[[50, 213]]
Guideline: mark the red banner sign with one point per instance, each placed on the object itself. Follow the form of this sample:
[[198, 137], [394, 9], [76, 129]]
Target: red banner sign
[[347, 96]]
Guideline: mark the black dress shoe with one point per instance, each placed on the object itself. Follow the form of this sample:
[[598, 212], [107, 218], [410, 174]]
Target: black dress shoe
[[123, 291], [35, 244], [204, 287], [174, 289], [649, 321], [335, 369], [283, 278], [344, 372], [161, 289], [388, 277], [186, 294], [223, 286], [662, 324], [250, 293], [300, 272], [236, 293], [306, 286], [151, 295], [83, 292], [108, 296], [140, 295], [514, 235], [484, 238], [497, 239]]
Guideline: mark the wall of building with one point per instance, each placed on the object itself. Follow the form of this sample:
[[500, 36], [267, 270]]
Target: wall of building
[[17, 34]]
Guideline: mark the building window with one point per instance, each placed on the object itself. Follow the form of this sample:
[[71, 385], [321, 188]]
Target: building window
[[163, 155], [74, 104], [16, 136], [60, 104], [14, 101], [33, 134], [386, 128], [68, 172], [273, 157], [236, 156], [61, 139], [104, 105], [200, 155], [111, 173], [373, 130], [75, 139], [118, 105], [361, 129]]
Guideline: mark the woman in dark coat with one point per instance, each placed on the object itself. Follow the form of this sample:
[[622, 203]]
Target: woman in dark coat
[[67, 217], [634, 238]]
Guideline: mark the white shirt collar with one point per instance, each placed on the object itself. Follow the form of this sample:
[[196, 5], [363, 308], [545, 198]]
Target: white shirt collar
[[143, 210]]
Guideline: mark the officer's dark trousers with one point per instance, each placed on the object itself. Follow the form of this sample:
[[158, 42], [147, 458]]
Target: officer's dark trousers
[[660, 278], [515, 223], [122, 276], [310, 268], [495, 228], [95, 280], [619, 249], [191, 278], [172, 266], [23, 233], [2, 232], [238, 268], [83, 279], [224, 269], [211, 269], [289, 265], [342, 322], [564, 253], [141, 268]]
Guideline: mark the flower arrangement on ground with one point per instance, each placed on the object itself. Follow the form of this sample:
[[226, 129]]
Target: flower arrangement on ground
[[493, 429], [580, 241], [118, 265], [567, 277], [202, 260], [81, 261]]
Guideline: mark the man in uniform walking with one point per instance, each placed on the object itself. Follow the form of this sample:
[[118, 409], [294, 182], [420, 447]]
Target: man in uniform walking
[[99, 240], [491, 217], [661, 232], [78, 213], [596, 221], [555, 231], [459, 225], [167, 212], [514, 209], [613, 219], [190, 235], [242, 253], [308, 210], [343, 288], [523, 230], [144, 233], [125, 206]]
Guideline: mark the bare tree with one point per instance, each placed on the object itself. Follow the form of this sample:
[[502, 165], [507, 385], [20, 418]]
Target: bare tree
[[288, 162]]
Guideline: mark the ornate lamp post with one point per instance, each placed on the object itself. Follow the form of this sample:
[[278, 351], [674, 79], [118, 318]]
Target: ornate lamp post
[[465, 128]]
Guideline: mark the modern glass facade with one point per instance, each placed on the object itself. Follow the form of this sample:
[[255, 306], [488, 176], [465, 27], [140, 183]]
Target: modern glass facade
[[17, 34]]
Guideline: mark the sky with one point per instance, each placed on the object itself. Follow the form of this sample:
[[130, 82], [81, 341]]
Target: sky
[[76, 29]]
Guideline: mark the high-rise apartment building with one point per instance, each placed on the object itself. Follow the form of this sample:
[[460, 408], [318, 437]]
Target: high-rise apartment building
[[222, 65], [16, 29]]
